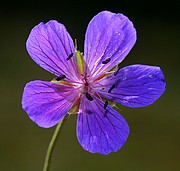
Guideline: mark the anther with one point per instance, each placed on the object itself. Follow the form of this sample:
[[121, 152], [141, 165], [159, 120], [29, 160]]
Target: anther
[[60, 77], [105, 104], [116, 72], [69, 57], [88, 96], [112, 87], [106, 61]]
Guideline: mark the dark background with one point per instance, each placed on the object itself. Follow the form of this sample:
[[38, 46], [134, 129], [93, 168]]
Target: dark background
[[154, 141]]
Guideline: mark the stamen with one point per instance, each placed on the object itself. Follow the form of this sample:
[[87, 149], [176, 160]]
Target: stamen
[[105, 104], [106, 61], [116, 72], [88, 96], [112, 87], [60, 77], [85, 81], [69, 57]]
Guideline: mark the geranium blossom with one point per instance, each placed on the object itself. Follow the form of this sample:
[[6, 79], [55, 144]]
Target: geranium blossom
[[86, 83]]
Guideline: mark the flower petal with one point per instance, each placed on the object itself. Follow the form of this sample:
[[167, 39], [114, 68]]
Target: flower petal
[[46, 103], [109, 38], [50, 46], [100, 130], [134, 86]]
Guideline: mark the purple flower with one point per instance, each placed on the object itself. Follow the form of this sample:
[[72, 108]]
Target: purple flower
[[87, 83]]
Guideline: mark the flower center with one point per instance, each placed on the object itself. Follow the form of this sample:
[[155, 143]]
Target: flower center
[[84, 85], [86, 88]]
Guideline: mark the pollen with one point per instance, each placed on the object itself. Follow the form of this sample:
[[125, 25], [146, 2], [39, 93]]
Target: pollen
[[106, 61], [61, 77], [88, 96], [112, 87], [69, 57]]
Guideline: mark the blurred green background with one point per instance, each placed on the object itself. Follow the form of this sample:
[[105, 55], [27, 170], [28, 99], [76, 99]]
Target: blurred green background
[[154, 141]]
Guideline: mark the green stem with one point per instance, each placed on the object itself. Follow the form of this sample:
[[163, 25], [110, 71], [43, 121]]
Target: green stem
[[51, 146]]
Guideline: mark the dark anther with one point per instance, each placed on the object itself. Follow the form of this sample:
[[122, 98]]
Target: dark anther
[[116, 72], [69, 57], [112, 87], [106, 61], [60, 77], [105, 104], [89, 111], [88, 96]]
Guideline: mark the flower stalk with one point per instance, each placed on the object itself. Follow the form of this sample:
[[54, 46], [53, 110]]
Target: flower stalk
[[51, 146]]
